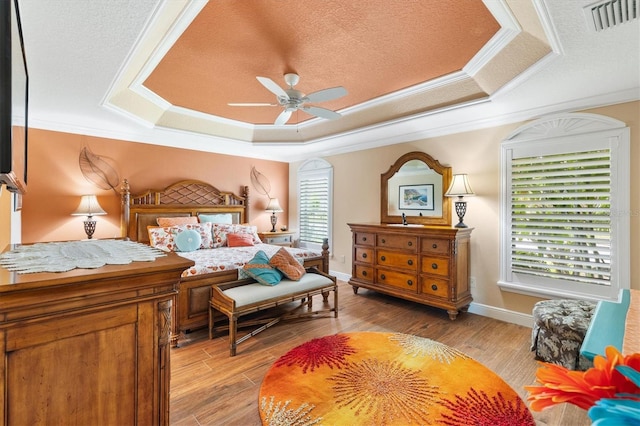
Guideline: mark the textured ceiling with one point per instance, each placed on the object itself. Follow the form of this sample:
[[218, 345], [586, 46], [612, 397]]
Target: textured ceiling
[[395, 59], [371, 48]]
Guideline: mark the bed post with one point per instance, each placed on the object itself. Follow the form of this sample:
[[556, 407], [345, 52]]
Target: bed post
[[245, 194], [124, 209], [325, 255]]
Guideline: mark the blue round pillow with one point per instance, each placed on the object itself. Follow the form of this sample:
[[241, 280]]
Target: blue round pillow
[[188, 240]]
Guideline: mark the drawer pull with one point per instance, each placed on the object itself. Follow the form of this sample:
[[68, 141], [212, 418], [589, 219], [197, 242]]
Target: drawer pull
[[434, 287], [364, 238], [434, 266], [382, 277], [410, 262], [383, 258], [410, 282], [434, 246], [364, 255], [364, 273], [384, 241], [410, 243]]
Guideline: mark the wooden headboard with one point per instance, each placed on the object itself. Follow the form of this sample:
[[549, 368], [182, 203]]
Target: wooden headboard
[[183, 198]]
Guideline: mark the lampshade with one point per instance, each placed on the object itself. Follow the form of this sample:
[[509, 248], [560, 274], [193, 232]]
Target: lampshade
[[459, 187], [89, 207], [274, 205]]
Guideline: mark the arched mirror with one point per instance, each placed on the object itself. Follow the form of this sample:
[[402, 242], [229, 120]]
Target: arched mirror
[[414, 186]]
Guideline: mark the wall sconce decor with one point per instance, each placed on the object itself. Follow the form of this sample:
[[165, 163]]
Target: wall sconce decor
[[273, 207], [89, 207], [460, 188]]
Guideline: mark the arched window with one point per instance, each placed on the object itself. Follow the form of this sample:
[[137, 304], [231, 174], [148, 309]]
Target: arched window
[[315, 195], [565, 208]]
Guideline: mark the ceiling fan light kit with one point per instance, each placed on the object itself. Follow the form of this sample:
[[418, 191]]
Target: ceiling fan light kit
[[293, 100]]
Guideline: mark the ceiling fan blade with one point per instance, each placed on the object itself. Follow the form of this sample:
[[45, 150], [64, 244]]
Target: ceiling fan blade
[[251, 104], [326, 94], [322, 112], [283, 118], [273, 87]]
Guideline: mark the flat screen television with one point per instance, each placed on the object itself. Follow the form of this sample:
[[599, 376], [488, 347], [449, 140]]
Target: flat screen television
[[14, 99]]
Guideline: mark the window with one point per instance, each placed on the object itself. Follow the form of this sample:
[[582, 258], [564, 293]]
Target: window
[[315, 193], [565, 208]]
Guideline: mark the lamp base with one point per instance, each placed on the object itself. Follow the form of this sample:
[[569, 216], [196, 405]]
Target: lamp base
[[461, 209], [89, 228], [274, 220]]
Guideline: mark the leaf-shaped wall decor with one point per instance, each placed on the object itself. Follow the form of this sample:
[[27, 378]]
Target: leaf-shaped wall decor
[[98, 171], [260, 182]]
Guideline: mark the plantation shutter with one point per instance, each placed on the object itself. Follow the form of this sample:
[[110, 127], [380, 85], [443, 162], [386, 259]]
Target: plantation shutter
[[560, 206], [314, 208]]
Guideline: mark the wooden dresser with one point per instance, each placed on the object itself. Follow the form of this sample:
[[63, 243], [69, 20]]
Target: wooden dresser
[[424, 264], [88, 346]]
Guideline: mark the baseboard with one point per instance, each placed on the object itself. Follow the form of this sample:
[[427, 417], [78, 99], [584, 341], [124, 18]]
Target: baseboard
[[340, 275], [501, 314]]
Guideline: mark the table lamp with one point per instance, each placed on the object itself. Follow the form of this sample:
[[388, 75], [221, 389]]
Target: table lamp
[[89, 207], [460, 188], [273, 207]]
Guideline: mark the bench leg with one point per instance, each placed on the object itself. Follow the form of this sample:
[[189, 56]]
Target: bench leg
[[211, 322], [233, 328]]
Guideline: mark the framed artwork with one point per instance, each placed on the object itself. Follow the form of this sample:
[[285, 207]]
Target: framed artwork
[[416, 197]]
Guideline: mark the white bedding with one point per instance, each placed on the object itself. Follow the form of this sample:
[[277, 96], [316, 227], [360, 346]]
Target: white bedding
[[229, 258]]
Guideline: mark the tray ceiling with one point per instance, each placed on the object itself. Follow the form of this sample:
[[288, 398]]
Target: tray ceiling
[[396, 60]]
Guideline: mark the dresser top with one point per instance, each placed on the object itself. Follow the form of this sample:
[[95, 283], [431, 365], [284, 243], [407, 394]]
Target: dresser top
[[411, 228]]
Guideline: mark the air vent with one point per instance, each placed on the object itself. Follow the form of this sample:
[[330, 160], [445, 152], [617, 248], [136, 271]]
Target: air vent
[[609, 13]]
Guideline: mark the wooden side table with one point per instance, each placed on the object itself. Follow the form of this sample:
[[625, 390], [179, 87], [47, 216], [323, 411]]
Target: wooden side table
[[278, 238]]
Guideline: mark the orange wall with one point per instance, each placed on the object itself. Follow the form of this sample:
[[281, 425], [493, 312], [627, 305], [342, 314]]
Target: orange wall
[[55, 182]]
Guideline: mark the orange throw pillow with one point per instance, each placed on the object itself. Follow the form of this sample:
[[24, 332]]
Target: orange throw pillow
[[178, 220], [284, 262], [239, 240]]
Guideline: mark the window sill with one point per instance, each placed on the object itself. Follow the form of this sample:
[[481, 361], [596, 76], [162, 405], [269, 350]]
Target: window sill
[[545, 293]]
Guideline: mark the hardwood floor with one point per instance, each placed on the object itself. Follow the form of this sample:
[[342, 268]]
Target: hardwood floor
[[210, 388]]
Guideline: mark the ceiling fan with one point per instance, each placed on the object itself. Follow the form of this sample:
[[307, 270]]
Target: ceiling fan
[[292, 100]]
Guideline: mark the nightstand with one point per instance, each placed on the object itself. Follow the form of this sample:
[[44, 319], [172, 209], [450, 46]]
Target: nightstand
[[278, 238]]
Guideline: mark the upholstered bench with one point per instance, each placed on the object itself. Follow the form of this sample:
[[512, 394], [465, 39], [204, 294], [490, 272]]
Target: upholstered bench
[[238, 298], [559, 327]]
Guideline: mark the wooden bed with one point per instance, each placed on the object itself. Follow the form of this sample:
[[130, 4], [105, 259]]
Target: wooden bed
[[190, 198]]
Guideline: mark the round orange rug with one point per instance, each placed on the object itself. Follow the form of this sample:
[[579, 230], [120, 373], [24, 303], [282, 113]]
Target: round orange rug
[[373, 378]]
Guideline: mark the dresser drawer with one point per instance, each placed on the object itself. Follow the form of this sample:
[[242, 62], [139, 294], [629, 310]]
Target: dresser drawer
[[278, 239], [397, 260], [435, 246], [365, 239], [435, 287], [364, 273], [364, 255], [405, 242], [398, 279], [434, 265]]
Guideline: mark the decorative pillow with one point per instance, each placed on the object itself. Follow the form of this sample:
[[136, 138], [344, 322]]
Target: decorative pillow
[[249, 229], [164, 238], [188, 240], [161, 238], [287, 264], [204, 229], [239, 240], [259, 269], [220, 231], [216, 218], [178, 220]]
